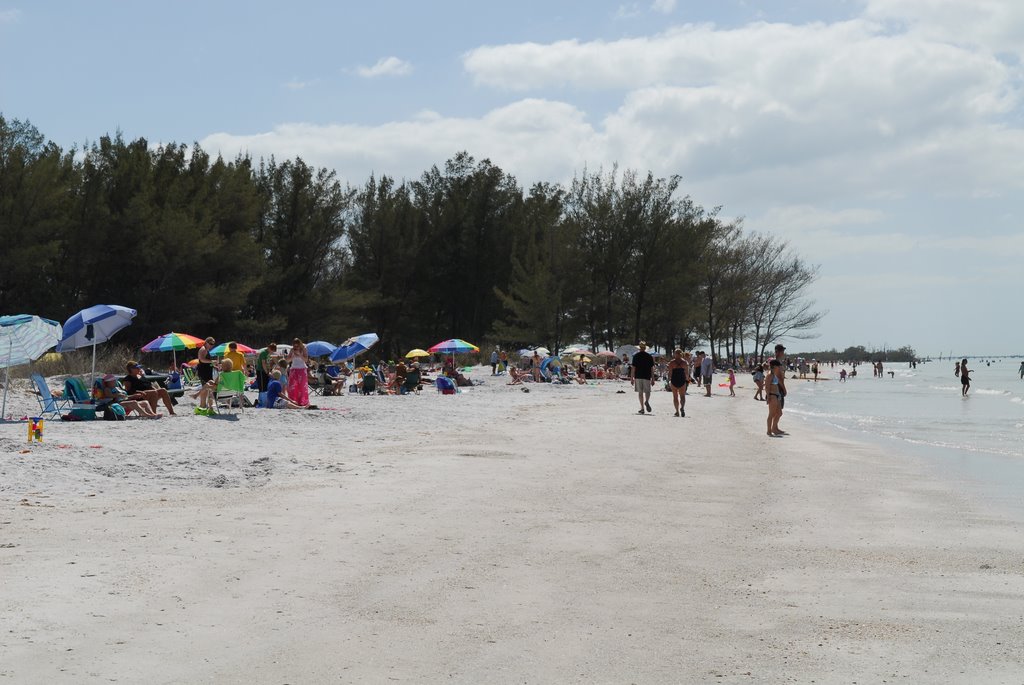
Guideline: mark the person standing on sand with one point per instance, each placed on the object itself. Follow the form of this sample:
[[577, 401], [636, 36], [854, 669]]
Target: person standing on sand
[[776, 391], [678, 377], [965, 378], [732, 382], [265, 366], [298, 380], [707, 369], [204, 368], [494, 362], [640, 373], [759, 381]]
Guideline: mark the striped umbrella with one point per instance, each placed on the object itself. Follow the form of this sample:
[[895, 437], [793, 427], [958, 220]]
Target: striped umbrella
[[172, 342], [219, 350], [94, 325], [23, 338], [453, 345], [354, 346]]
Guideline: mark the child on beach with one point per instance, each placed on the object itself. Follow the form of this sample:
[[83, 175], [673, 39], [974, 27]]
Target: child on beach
[[732, 382]]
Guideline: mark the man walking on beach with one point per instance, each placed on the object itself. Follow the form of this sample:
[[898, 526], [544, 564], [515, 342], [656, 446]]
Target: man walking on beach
[[494, 362], [707, 367], [640, 373]]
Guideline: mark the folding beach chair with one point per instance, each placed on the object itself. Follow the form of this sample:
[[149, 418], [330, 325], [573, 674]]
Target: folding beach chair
[[83, 406], [49, 406], [189, 379], [230, 390]]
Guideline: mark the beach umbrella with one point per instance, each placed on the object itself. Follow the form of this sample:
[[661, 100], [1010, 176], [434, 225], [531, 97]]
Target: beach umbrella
[[320, 348], [172, 342], [23, 338], [606, 353], [412, 354], [453, 345], [354, 346], [94, 325], [219, 350], [628, 350], [577, 349]]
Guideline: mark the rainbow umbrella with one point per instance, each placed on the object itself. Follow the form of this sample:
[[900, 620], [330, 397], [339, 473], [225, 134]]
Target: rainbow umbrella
[[172, 342], [453, 345], [219, 350]]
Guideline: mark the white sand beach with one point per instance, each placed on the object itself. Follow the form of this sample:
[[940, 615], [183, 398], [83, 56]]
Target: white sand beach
[[495, 536]]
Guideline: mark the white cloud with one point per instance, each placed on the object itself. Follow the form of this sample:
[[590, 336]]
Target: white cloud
[[664, 6], [386, 66], [9, 16], [510, 136], [994, 25]]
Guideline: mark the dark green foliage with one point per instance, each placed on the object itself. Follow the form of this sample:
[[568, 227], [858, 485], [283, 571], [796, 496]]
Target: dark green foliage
[[274, 250]]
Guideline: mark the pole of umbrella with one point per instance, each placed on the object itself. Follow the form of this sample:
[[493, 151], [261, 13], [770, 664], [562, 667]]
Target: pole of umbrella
[[7, 384], [92, 378]]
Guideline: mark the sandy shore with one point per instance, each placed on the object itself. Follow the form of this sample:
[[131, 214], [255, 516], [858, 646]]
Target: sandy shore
[[495, 537]]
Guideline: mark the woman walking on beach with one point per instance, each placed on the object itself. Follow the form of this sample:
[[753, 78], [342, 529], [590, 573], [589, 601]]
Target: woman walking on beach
[[776, 392], [298, 379], [678, 377], [965, 378], [759, 381]]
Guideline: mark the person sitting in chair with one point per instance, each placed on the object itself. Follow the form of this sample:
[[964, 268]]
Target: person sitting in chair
[[400, 375], [144, 390], [207, 394], [368, 385], [106, 392], [413, 379]]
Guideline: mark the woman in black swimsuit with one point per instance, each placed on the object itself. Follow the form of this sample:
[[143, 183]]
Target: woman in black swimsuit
[[965, 378], [678, 376], [204, 369]]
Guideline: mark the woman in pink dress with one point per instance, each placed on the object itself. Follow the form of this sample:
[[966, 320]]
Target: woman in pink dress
[[298, 379]]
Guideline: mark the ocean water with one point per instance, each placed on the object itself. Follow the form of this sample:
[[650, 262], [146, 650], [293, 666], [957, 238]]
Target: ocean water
[[921, 411]]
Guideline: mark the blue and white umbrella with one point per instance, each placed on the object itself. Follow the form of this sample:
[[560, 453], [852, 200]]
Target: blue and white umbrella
[[94, 325], [320, 348], [354, 346], [24, 338]]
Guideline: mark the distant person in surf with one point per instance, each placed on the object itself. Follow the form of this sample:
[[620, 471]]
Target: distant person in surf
[[1022, 371], [965, 378]]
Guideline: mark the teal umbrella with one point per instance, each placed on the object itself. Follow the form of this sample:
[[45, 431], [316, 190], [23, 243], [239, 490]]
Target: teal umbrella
[[24, 338]]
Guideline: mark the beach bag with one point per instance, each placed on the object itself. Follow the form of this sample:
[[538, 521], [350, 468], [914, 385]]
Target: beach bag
[[114, 412], [83, 412]]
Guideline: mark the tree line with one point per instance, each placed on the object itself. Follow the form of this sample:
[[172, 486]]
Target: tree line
[[257, 250]]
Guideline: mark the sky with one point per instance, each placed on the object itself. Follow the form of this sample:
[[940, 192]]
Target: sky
[[883, 139]]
